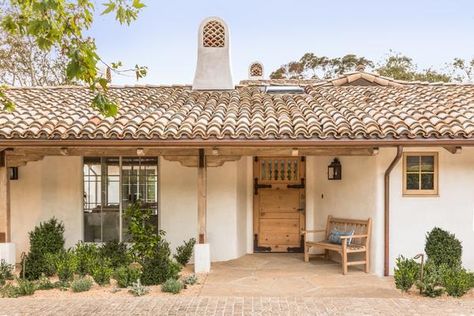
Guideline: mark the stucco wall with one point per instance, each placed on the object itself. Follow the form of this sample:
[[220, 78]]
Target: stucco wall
[[360, 194], [352, 197], [47, 188], [227, 206], [53, 187], [453, 209], [178, 202]]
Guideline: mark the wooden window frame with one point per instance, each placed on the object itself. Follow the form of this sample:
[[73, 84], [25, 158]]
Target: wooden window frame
[[420, 192]]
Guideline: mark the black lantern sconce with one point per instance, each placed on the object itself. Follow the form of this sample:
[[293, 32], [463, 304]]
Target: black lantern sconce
[[13, 173], [335, 170]]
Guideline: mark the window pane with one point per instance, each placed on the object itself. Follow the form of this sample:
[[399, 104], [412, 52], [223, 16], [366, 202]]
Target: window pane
[[427, 181], [101, 199], [413, 181], [92, 200], [139, 183], [102, 188], [413, 163], [427, 163]]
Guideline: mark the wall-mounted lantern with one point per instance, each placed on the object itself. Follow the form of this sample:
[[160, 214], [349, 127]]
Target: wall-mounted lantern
[[335, 170], [13, 173]]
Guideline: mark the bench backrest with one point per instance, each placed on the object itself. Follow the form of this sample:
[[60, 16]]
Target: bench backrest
[[360, 227]]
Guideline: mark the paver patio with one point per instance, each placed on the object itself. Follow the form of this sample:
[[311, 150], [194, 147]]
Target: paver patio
[[261, 284]]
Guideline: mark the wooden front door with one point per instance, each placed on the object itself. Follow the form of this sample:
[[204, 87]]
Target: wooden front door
[[279, 204]]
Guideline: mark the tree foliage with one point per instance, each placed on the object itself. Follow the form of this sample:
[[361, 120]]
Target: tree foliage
[[61, 25], [22, 63], [311, 66], [394, 65], [401, 67], [463, 70]]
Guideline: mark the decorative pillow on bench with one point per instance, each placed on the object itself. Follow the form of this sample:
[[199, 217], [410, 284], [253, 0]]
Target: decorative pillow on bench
[[335, 236]]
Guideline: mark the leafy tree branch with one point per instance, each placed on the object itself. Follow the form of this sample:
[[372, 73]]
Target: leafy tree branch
[[60, 25]]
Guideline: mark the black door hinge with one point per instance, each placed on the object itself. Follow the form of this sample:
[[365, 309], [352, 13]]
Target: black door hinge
[[257, 186], [296, 186]]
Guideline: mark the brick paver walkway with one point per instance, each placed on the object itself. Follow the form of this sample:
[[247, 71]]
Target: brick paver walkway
[[176, 305]]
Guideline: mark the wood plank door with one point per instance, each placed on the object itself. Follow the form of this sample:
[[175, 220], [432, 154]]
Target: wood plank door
[[279, 204]]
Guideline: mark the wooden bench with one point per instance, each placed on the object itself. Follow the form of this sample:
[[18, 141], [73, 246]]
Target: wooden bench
[[360, 242]]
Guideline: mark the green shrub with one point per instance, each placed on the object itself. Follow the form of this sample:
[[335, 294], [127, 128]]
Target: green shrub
[[101, 272], [25, 287], [6, 271], [456, 281], [138, 289], [47, 238], [87, 254], [159, 269], [62, 285], [44, 283], [116, 252], [64, 263], [190, 279], [125, 276], [146, 240], [441, 247], [407, 272], [432, 283], [172, 286], [184, 252], [81, 285], [471, 279], [9, 291], [149, 247]]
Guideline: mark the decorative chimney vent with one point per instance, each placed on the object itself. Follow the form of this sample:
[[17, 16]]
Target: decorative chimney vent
[[213, 34], [213, 63], [256, 70]]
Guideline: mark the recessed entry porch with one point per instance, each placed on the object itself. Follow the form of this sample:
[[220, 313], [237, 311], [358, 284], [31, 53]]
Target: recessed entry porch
[[208, 193]]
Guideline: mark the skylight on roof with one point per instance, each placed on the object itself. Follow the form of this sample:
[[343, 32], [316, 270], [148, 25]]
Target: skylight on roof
[[284, 89]]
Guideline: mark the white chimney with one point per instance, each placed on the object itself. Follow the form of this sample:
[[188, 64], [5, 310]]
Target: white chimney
[[213, 63], [256, 71]]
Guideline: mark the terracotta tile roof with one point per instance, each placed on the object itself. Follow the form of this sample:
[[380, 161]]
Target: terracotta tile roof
[[322, 112], [350, 78], [359, 77], [278, 82]]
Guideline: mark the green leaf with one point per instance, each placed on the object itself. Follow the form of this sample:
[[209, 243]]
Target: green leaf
[[104, 105], [109, 7], [8, 104], [103, 83], [137, 4]]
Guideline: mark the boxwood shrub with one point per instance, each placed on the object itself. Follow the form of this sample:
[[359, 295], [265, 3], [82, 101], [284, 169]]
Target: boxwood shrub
[[442, 247], [46, 239]]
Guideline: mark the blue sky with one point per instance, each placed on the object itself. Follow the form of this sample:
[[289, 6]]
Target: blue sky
[[164, 38]]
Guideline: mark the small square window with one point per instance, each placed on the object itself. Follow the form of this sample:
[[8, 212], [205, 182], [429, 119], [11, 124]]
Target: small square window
[[420, 174]]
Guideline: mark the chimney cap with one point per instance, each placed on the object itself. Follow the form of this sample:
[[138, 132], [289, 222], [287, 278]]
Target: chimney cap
[[256, 70]]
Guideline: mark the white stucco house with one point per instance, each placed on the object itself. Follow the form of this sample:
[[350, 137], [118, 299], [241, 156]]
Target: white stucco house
[[242, 168]]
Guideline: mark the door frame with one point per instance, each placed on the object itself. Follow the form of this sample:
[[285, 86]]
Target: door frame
[[255, 213]]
